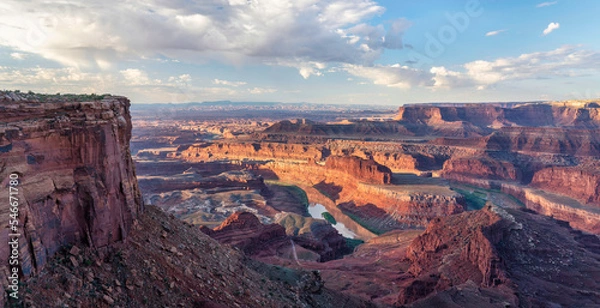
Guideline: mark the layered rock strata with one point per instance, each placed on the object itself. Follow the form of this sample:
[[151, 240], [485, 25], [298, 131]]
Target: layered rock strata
[[76, 178]]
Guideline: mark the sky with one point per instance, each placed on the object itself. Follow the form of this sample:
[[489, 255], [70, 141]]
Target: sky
[[389, 52]]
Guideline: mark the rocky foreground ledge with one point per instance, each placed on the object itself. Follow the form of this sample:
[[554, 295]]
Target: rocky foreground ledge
[[68, 167]]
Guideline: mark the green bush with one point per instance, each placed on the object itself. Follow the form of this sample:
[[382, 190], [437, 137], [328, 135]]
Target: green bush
[[329, 218]]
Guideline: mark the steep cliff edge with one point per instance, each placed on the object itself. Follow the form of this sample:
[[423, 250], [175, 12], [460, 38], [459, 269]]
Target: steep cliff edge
[[579, 183], [362, 169], [76, 178]]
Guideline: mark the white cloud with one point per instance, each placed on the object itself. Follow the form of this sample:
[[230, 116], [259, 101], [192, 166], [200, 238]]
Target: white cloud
[[99, 34], [137, 77], [551, 27], [544, 4], [18, 56], [261, 90], [566, 61], [395, 75], [182, 79], [496, 32], [229, 83]]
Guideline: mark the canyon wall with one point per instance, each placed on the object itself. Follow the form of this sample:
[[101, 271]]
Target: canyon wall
[[578, 183], [583, 115], [362, 169], [379, 207], [255, 150], [480, 168], [77, 181]]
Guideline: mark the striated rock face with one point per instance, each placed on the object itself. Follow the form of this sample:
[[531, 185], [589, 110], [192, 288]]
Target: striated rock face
[[521, 259], [257, 150], [481, 168], [77, 181], [400, 162], [582, 115], [578, 183], [365, 170]]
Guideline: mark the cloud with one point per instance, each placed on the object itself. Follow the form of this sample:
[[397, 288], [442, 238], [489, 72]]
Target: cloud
[[393, 38], [551, 27], [544, 4], [229, 83], [395, 75], [137, 77], [17, 56], [100, 34], [261, 90], [496, 32], [566, 61]]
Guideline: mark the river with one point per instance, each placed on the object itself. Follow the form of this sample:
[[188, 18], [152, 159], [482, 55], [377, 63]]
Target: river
[[315, 210]]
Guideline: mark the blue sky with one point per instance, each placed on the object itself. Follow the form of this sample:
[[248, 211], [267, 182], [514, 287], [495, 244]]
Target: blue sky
[[334, 51]]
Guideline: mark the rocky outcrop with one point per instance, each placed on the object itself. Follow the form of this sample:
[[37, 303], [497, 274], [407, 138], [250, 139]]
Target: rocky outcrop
[[166, 262], [518, 258], [480, 168], [400, 162], [364, 170], [245, 231], [76, 179], [314, 234], [575, 182], [315, 240]]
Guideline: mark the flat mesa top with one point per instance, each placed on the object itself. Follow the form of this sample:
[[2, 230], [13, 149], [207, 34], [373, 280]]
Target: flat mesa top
[[18, 96]]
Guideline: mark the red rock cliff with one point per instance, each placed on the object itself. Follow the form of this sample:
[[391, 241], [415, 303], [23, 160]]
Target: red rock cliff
[[77, 181], [578, 183], [362, 169]]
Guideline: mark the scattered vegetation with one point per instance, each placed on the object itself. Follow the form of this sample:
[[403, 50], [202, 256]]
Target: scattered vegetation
[[40, 97], [327, 216], [353, 243]]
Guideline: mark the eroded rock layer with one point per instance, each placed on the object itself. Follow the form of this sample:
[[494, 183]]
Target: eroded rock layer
[[514, 258], [77, 181]]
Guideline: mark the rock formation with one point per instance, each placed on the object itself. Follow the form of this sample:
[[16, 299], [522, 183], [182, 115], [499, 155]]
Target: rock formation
[[76, 178], [245, 231], [364, 170], [481, 168], [514, 258], [576, 182], [315, 240]]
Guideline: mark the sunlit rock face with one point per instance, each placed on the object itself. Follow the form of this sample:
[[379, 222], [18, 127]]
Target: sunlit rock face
[[77, 181]]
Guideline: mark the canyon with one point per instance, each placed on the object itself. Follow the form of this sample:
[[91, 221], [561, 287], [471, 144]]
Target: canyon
[[454, 205]]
